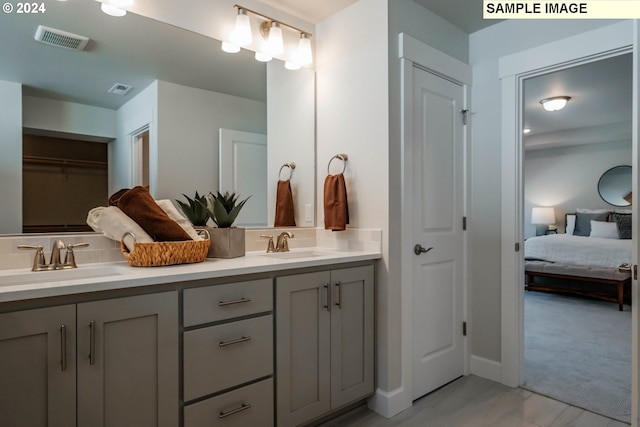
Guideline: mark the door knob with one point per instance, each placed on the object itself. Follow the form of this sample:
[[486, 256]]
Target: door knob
[[418, 249]]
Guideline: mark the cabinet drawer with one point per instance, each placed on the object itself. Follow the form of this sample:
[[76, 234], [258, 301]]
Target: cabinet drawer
[[223, 356], [220, 302], [247, 406]]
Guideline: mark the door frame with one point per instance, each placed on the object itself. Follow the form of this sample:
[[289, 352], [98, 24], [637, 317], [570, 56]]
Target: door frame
[[414, 53], [586, 47]]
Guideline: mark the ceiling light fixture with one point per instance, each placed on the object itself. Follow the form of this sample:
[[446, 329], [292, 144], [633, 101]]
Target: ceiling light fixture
[[555, 103], [271, 43], [115, 7]]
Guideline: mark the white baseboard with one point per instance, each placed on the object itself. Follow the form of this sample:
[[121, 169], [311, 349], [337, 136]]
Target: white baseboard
[[387, 403], [485, 368]]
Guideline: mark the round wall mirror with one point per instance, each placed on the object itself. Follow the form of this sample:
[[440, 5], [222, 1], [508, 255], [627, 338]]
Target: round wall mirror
[[614, 186]]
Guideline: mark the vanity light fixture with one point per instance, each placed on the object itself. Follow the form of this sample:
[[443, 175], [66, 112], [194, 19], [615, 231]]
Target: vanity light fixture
[[115, 7], [555, 103], [271, 43]]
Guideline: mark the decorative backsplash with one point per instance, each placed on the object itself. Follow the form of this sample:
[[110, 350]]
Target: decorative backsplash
[[102, 249]]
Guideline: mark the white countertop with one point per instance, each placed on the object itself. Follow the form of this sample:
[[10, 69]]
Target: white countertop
[[23, 284]]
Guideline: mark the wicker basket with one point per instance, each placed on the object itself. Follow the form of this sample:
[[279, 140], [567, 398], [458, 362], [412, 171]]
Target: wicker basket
[[156, 254]]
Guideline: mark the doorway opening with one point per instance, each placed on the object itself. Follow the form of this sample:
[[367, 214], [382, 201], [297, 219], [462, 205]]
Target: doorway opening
[[62, 179], [577, 347], [140, 157]]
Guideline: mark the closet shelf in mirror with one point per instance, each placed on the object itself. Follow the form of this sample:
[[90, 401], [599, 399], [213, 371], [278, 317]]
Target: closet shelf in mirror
[[64, 162]]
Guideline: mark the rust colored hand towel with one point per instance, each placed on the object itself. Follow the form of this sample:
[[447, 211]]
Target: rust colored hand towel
[[284, 206], [336, 209], [138, 205], [113, 199]]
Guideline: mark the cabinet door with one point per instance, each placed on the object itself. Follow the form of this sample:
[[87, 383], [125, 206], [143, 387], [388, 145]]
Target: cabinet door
[[128, 361], [352, 335], [303, 347], [37, 367]]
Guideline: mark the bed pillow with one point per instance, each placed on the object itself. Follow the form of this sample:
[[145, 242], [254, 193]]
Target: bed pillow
[[583, 222], [570, 221], [623, 222], [604, 229], [591, 211]]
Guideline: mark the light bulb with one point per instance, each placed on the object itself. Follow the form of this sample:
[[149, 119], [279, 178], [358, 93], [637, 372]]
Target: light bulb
[[112, 10], [263, 57], [289, 65], [555, 103]]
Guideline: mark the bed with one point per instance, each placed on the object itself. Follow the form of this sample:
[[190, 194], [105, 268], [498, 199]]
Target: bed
[[590, 265]]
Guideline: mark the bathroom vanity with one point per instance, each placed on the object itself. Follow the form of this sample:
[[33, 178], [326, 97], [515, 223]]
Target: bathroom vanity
[[266, 339]]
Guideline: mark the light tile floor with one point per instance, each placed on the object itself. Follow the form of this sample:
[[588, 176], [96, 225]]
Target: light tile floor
[[476, 402]]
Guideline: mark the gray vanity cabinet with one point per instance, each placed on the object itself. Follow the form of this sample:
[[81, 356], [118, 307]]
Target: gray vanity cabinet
[[37, 367], [228, 354], [117, 358], [325, 342], [128, 361]]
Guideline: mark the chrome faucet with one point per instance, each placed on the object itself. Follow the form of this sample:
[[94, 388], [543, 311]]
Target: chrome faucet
[[282, 243], [39, 263]]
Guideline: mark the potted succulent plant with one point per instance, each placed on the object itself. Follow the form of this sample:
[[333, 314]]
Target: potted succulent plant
[[223, 209], [195, 209]]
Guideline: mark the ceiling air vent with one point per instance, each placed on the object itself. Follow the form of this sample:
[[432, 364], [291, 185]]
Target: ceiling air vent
[[120, 89], [60, 38]]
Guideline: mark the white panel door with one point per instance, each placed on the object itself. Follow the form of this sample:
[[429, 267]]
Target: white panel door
[[438, 197], [243, 169]]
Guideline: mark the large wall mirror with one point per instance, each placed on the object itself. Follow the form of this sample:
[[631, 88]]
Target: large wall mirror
[[184, 89], [615, 185]]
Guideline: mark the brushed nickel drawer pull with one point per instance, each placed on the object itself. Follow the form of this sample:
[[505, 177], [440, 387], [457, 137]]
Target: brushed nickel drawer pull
[[92, 342], [243, 407], [327, 305], [235, 301], [339, 302], [231, 342], [63, 347]]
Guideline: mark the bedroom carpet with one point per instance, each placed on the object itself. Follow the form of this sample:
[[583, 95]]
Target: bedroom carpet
[[578, 351]]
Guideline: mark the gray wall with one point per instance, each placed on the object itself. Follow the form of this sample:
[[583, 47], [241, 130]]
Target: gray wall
[[11, 158], [567, 178]]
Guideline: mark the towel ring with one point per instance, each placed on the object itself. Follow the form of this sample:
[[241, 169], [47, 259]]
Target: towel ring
[[342, 157], [290, 165]]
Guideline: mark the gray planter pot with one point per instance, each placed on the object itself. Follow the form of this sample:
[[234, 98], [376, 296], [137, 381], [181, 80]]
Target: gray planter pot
[[226, 242]]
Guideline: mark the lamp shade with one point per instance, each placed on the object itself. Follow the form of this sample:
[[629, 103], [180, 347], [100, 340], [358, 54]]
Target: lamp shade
[[543, 216]]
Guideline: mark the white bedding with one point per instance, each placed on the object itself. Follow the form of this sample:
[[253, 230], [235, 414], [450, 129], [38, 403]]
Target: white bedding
[[578, 250]]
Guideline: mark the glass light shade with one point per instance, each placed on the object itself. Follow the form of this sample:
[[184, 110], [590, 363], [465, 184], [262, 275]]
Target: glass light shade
[[556, 103], [112, 10], [275, 41], [263, 57], [230, 47], [543, 216], [242, 31], [304, 56], [289, 65]]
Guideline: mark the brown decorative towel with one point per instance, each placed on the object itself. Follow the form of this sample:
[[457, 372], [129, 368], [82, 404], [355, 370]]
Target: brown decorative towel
[[284, 206], [113, 200], [336, 209], [138, 205]]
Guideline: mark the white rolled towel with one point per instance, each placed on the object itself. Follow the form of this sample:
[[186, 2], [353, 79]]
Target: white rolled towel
[[167, 206], [114, 224]]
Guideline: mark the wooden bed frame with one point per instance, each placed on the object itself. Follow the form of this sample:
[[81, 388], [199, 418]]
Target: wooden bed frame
[[608, 278]]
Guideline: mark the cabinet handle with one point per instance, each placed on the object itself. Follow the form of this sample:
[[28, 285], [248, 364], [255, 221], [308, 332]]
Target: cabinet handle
[[339, 302], [231, 342], [63, 347], [242, 407], [92, 342], [327, 305], [235, 301]]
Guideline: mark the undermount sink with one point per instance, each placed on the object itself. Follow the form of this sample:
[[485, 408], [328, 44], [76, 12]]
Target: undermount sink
[[295, 254], [89, 272]]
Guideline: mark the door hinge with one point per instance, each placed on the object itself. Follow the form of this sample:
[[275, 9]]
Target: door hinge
[[635, 271], [464, 329], [464, 223], [464, 116], [517, 247]]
